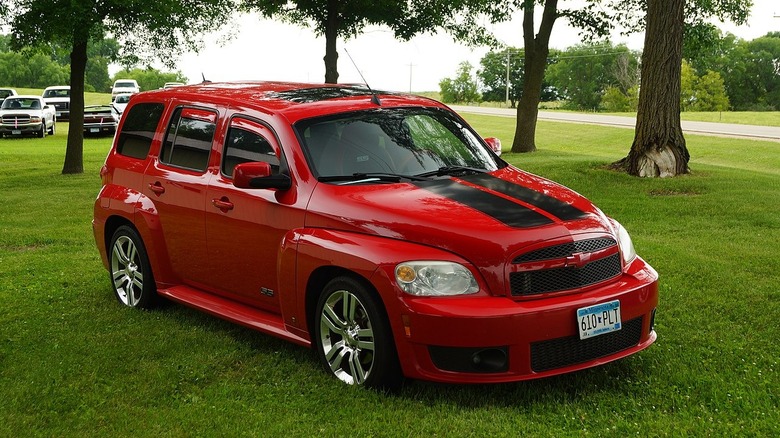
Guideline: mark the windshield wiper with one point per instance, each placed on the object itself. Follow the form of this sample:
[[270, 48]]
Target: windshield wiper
[[451, 170], [371, 177]]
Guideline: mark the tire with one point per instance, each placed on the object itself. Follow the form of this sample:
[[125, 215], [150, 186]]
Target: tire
[[130, 271], [42, 132], [53, 128], [352, 336]]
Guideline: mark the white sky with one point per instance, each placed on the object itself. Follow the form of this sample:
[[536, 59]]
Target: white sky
[[267, 50]]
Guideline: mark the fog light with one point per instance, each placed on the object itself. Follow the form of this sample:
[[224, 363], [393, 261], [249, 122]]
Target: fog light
[[490, 360]]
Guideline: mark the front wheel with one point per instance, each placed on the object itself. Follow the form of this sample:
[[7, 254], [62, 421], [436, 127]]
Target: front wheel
[[131, 273], [53, 128], [353, 337], [42, 131]]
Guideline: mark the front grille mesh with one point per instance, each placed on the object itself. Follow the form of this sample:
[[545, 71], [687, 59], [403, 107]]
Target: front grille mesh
[[561, 352], [540, 281], [554, 280], [565, 250]]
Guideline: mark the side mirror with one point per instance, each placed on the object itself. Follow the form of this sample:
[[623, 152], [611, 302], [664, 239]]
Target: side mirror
[[494, 144], [257, 175]]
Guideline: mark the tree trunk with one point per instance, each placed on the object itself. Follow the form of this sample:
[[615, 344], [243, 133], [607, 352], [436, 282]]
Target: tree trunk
[[331, 37], [536, 51], [659, 146], [74, 151]]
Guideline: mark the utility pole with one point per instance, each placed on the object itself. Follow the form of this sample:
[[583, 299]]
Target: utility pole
[[410, 76]]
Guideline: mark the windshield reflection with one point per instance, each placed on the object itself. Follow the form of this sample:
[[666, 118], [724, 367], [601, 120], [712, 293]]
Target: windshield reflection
[[395, 141]]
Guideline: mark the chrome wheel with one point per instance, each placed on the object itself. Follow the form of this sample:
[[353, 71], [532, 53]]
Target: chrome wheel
[[352, 335], [128, 278], [129, 269]]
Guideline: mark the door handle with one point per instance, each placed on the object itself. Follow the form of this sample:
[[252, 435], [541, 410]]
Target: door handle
[[223, 204], [157, 188]]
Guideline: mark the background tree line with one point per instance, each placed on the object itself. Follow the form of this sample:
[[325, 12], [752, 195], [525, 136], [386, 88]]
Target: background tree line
[[40, 69], [729, 74]]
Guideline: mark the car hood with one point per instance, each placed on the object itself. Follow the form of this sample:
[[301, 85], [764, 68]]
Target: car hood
[[486, 219], [21, 112]]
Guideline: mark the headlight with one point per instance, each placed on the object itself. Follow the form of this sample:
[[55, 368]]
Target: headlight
[[434, 278], [624, 242]]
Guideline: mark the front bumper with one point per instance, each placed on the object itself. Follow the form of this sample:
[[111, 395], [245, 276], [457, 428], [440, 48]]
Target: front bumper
[[497, 339], [99, 128], [21, 129]]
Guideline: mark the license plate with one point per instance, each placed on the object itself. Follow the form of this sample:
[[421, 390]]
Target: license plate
[[59, 114], [599, 319], [94, 129], [16, 132]]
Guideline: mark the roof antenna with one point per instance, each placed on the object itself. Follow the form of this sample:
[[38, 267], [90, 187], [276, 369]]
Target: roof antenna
[[374, 97], [205, 81]]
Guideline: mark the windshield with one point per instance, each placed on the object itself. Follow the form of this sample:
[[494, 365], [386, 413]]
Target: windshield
[[125, 85], [397, 141], [56, 93], [21, 103]]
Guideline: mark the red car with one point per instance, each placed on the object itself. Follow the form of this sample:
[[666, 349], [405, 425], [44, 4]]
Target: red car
[[378, 228]]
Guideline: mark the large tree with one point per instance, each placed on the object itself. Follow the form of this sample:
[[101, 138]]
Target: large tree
[[659, 148], [162, 27], [594, 22]]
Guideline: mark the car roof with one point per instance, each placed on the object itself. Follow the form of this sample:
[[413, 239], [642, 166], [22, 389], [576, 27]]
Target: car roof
[[294, 101], [58, 87]]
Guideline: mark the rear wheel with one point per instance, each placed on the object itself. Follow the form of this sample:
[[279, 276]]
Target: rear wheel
[[352, 336], [131, 274], [42, 131], [53, 127]]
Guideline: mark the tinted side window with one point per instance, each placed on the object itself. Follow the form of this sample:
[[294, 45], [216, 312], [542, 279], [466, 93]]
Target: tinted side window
[[245, 144], [188, 140], [138, 129]]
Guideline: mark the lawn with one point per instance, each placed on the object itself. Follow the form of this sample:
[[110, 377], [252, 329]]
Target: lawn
[[73, 362]]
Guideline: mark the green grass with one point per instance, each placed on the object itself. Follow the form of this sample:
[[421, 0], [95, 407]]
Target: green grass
[[73, 362]]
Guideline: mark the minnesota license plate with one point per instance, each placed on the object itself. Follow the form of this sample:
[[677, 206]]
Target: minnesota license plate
[[599, 319], [94, 129], [16, 132]]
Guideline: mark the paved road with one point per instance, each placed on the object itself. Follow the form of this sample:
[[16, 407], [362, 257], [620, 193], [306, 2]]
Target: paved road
[[706, 128]]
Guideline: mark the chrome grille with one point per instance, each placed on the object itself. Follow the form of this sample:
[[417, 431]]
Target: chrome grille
[[14, 119]]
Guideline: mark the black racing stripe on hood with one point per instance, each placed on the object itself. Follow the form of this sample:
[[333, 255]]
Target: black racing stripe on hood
[[549, 204], [501, 209]]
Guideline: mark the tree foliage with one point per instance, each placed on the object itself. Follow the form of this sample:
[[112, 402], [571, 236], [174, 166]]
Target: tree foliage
[[39, 68], [463, 88], [493, 76], [150, 78], [162, 28], [702, 93], [584, 72]]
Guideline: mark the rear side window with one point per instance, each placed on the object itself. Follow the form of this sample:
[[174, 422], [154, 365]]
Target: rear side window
[[138, 129], [188, 139], [245, 143]]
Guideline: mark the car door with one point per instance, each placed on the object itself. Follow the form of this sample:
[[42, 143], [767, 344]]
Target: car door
[[245, 227], [176, 182]]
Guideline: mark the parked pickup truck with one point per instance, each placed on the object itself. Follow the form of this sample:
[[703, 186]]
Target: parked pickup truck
[[24, 115]]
